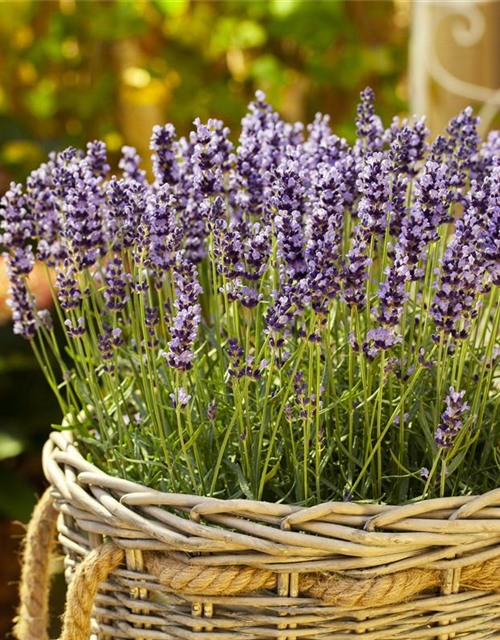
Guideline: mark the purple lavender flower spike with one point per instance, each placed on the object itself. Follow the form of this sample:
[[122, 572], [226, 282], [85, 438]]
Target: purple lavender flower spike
[[407, 150], [355, 272], [461, 279], [16, 224], [459, 151], [96, 159], [254, 156], [281, 314], [323, 147], [420, 227], [164, 233], [289, 184], [398, 209], [322, 257], [151, 320], [83, 204], [490, 242], [125, 214], [115, 292], [41, 200], [451, 419], [190, 201], [463, 145], [165, 166], [18, 229], [290, 242], [408, 144], [318, 140], [20, 302], [431, 190], [130, 165], [374, 186], [392, 292], [464, 138], [487, 158], [289, 201], [368, 125], [107, 344], [257, 250], [69, 291], [227, 243], [210, 156], [187, 319]]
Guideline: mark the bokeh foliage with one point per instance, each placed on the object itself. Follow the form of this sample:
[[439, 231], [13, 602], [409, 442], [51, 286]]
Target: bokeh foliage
[[73, 71]]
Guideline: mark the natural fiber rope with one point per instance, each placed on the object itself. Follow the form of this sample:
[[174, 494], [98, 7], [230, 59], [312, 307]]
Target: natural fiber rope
[[95, 568], [179, 576], [175, 572], [382, 591], [31, 622], [33, 614]]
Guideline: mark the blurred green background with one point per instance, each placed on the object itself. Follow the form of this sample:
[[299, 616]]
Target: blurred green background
[[75, 71]]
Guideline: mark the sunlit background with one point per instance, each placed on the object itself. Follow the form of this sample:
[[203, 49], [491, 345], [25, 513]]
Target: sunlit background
[[72, 71]]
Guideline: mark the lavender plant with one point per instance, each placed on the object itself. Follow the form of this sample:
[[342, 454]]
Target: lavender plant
[[292, 318]]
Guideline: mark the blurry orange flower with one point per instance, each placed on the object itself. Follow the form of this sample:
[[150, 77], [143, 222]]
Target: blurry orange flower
[[38, 283]]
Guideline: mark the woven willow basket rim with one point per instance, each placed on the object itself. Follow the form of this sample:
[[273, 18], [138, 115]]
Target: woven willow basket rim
[[360, 540]]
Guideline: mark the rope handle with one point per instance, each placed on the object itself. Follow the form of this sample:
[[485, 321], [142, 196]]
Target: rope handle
[[33, 613], [176, 573]]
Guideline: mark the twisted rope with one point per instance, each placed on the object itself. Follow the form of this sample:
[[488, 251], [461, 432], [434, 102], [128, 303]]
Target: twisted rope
[[369, 592], [95, 568], [177, 574], [31, 621], [33, 614]]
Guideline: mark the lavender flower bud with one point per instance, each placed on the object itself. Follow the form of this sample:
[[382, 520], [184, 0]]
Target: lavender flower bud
[[180, 399], [212, 411]]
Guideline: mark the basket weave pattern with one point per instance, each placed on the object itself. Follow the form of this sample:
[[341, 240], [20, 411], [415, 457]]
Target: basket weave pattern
[[356, 541]]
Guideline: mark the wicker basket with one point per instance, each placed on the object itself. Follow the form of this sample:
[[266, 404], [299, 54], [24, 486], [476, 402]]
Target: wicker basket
[[366, 545]]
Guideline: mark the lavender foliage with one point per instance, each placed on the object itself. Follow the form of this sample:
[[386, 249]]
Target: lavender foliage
[[282, 319]]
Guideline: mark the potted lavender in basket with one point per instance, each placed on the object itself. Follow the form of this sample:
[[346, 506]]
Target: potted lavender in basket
[[289, 318]]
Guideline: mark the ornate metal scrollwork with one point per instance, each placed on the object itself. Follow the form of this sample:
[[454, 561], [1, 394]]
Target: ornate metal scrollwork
[[467, 25]]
